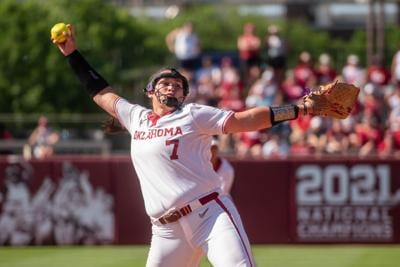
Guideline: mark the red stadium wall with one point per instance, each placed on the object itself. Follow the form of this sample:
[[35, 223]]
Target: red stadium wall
[[93, 200]]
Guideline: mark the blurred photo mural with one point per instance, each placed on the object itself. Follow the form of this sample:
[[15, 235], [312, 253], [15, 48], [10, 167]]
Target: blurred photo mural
[[67, 209]]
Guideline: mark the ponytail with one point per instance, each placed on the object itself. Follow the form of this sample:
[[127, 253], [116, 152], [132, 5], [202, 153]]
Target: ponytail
[[112, 126]]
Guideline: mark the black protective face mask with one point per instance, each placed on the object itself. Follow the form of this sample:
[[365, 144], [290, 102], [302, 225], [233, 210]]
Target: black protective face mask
[[171, 102], [168, 100]]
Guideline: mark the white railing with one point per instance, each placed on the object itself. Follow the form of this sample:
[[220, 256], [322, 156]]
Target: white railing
[[80, 146]]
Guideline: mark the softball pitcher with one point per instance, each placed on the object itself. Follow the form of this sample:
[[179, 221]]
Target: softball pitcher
[[170, 150]]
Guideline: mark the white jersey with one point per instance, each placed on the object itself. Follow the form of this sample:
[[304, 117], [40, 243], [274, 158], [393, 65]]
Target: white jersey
[[171, 154], [226, 176], [186, 45]]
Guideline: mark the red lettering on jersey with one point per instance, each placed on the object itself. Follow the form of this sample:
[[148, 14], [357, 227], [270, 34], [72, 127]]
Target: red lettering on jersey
[[153, 133], [178, 131], [168, 132]]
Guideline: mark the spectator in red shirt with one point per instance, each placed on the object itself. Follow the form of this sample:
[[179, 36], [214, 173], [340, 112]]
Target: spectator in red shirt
[[304, 75], [324, 72], [291, 90], [336, 139], [377, 74], [390, 145], [249, 46], [299, 145], [249, 144], [369, 134], [231, 88], [391, 142]]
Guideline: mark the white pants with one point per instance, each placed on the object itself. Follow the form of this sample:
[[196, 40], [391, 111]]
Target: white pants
[[214, 229]]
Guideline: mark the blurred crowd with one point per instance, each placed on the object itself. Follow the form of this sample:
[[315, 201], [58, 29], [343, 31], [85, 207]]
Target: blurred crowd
[[258, 75], [261, 77]]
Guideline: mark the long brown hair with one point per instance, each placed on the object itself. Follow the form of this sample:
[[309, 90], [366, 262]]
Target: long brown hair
[[112, 126]]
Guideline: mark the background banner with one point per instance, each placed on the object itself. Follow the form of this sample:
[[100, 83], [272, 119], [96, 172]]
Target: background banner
[[96, 200]]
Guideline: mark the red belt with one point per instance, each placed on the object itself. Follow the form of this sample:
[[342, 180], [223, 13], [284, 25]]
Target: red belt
[[175, 215]]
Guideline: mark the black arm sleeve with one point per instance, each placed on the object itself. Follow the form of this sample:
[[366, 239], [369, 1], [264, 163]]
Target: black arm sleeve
[[283, 113], [92, 80]]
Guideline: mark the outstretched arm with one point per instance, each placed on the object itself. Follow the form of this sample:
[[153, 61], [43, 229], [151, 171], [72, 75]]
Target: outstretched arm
[[263, 117], [335, 100], [101, 92]]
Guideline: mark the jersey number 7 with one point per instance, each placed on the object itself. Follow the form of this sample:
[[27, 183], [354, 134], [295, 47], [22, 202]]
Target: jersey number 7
[[175, 143]]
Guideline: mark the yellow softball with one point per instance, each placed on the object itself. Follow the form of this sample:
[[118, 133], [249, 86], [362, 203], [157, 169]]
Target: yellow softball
[[57, 33]]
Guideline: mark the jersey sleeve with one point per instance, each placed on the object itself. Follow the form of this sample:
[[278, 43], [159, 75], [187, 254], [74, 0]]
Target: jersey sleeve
[[209, 119], [127, 113]]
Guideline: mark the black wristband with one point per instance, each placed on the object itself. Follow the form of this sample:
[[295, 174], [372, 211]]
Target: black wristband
[[92, 80], [283, 113]]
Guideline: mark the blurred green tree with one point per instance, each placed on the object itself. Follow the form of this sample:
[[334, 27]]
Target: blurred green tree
[[35, 78], [33, 75]]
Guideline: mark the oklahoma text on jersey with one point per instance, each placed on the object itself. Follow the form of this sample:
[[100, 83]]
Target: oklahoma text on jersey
[[153, 133]]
